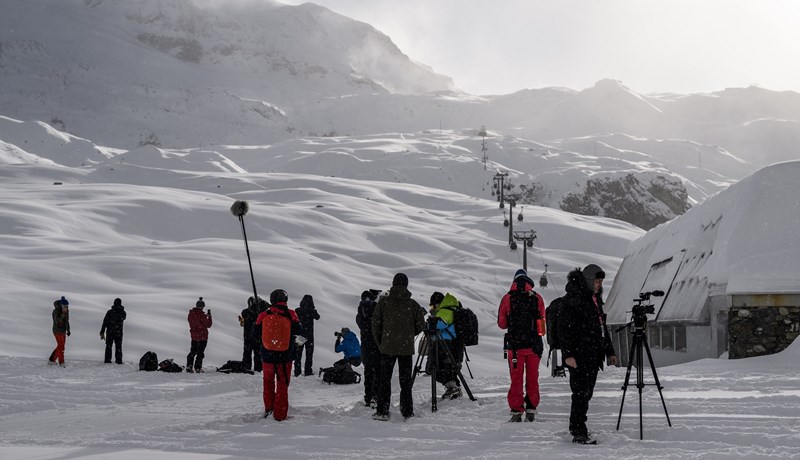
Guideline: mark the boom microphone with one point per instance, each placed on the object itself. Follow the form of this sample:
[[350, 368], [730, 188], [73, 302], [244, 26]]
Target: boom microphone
[[240, 208], [655, 293]]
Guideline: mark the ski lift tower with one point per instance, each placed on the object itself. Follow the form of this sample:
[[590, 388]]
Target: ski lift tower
[[527, 238], [499, 185], [484, 147]]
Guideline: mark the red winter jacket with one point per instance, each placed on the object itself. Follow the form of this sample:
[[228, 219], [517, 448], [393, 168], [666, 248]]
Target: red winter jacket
[[199, 322]]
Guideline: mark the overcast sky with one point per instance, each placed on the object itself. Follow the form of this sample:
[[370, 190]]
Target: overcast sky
[[684, 46]]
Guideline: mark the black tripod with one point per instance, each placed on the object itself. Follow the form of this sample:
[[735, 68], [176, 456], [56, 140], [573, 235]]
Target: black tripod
[[434, 343], [639, 324]]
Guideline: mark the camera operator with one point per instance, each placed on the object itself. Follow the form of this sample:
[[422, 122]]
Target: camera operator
[[347, 343], [584, 341], [441, 319]]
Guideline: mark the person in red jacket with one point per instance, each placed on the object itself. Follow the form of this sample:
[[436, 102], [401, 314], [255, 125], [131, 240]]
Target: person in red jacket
[[520, 311], [277, 329], [199, 322]]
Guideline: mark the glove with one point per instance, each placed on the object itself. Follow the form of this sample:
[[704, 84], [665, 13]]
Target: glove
[[299, 340], [102, 336], [67, 333]]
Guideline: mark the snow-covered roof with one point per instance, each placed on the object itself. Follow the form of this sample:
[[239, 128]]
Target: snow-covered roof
[[742, 240]]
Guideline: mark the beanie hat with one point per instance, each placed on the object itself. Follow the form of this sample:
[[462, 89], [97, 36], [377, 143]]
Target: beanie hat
[[64, 300], [200, 303], [400, 279], [436, 298], [366, 295], [519, 273], [593, 272], [345, 331], [117, 302]]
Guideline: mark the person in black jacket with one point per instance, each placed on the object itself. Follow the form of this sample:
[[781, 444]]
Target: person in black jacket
[[370, 354], [584, 341], [307, 313], [251, 355], [111, 330]]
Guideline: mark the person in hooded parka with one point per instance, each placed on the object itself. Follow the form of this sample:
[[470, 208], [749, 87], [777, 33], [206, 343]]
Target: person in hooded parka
[[111, 330]]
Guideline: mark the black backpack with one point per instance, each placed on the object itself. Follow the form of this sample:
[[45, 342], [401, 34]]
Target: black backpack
[[341, 375], [551, 314], [522, 316], [234, 367], [169, 366], [466, 323], [148, 362]]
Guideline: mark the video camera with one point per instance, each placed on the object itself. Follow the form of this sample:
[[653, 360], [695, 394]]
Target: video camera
[[640, 310], [432, 323]]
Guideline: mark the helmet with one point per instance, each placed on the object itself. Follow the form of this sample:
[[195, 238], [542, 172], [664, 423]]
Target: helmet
[[278, 295]]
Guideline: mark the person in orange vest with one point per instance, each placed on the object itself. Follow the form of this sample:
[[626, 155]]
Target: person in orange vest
[[278, 330]]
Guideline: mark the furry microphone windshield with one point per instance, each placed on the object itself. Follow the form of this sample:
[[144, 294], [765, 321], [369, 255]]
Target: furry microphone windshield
[[239, 208]]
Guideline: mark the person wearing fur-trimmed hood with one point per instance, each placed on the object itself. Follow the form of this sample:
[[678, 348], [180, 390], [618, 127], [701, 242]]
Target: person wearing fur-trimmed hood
[[584, 341]]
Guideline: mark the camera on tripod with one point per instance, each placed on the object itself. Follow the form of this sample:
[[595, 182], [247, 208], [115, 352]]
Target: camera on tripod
[[640, 310], [431, 323]]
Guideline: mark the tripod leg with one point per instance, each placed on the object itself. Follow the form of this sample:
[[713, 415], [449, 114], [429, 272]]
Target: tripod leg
[[457, 365], [658, 384], [466, 361], [434, 371], [627, 380], [418, 365], [640, 383]]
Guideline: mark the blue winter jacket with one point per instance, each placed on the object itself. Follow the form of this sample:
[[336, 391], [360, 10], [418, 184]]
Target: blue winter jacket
[[349, 346]]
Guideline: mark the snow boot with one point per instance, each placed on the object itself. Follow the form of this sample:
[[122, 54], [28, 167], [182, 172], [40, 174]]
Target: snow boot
[[583, 439], [453, 390], [515, 417], [380, 417], [530, 415]]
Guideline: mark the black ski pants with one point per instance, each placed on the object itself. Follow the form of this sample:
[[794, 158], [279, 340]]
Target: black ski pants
[[308, 346], [116, 341], [404, 364], [251, 357], [581, 382], [447, 369], [196, 354], [371, 358]]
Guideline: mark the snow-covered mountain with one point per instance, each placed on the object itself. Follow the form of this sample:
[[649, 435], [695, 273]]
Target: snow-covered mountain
[[190, 73]]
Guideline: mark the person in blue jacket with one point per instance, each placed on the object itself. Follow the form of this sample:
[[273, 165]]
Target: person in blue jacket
[[347, 343]]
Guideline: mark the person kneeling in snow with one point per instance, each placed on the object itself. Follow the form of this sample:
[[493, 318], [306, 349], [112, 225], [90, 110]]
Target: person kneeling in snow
[[347, 343]]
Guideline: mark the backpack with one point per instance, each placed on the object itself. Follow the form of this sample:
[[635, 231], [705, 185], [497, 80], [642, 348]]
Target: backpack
[[522, 317], [551, 314], [466, 323], [234, 367], [276, 331], [169, 366], [148, 362], [340, 375]]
